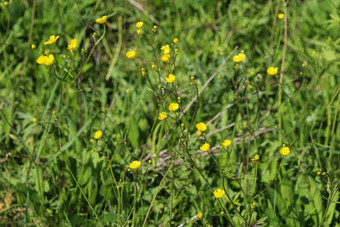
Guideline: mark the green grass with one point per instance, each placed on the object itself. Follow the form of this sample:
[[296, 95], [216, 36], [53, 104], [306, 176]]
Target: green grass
[[54, 173]]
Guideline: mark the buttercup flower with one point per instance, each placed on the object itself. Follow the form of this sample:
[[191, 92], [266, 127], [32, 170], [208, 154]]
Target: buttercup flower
[[135, 164], [73, 45], [102, 20], [205, 147], [255, 159], [199, 133], [162, 116], [52, 40], [199, 215], [201, 126], [41, 60], [49, 60], [33, 46], [139, 31], [173, 106], [219, 193], [239, 58], [272, 71], [34, 119], [281, 16], [44, 60], [226, 143], [139, 24], [166, 49], [175, 40], [131, 54], [285, 151], [171, 78], [165, 58], [98, 134]]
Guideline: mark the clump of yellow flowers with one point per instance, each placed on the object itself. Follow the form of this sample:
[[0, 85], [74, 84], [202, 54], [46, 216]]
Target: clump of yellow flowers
[[166, 53], [135, 164], [272, 71]]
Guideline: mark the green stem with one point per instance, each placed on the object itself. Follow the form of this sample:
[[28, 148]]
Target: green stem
[[81, 191], [155, 195]]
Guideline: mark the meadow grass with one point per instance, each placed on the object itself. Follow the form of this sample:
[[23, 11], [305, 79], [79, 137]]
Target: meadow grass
[[169, 113]]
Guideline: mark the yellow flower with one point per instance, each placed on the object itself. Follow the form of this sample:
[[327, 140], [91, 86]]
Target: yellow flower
[[272, 71], [139, 24], [131, 54], [52, 40], [162, 116], [73, 45], [171, 78], [201, 126], [175, 40], [139, 31], [166, 49], [44, 60], [34, 119], [281, 16], [173, 106], [165, 58], [102, 20], [239, 58], [135, 164], [285, 151], [199, 215], [33, 46], [153, 66], [49, 60], [314, 53], [205, 147], [98, 134], [155, 26], [6, 3], [226, 143], [41, 60], [219, 193], [199, 133], [255, 159]]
